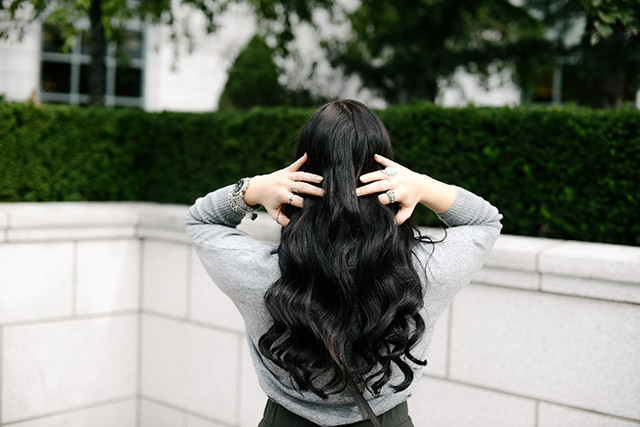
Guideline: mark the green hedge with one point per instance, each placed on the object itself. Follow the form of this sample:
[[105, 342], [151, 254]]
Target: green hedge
[[569, 172]]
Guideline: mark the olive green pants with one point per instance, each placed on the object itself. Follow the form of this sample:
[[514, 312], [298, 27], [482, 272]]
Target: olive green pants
[[277, 416]]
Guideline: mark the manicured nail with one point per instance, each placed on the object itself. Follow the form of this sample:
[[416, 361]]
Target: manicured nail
[[357, 191], [319, 179]]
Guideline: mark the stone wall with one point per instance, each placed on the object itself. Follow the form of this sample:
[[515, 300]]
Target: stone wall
[[108, 319]]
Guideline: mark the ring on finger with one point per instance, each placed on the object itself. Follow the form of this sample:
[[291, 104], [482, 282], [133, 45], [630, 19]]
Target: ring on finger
[[391, 195], [294, 189], [290, 199], [389, 171]]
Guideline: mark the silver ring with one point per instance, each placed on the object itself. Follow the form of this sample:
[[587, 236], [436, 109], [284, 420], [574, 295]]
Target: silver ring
[[391, 195], [290, 199], [389, 171], [293, 189]]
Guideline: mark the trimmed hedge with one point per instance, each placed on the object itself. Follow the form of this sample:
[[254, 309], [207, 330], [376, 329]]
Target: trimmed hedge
[[566, 172]]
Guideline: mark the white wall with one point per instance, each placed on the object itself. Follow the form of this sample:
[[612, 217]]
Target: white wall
[[176, 77], [108, 319], [20, 65], [194, 79]]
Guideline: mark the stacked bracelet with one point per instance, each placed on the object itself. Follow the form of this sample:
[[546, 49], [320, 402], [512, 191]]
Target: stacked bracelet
[[236, 199]]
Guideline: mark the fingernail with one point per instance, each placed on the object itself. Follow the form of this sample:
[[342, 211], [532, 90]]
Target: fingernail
[[319, 179], [357, 191]]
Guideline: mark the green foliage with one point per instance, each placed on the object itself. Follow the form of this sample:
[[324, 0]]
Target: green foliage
[[403, 49], [107, 19], [253, 78], [561, 172], [253, 81], [601, 66]]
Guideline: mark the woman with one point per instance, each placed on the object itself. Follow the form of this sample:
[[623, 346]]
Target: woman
[[339, 315]]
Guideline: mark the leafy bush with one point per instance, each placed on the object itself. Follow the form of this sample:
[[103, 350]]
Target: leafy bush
[[560, 172]]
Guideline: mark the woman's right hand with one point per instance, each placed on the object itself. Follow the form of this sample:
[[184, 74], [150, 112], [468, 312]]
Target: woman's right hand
[[398, 184], [282, 187]]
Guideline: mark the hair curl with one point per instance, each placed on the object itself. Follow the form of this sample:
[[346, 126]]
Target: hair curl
[[346, 307]]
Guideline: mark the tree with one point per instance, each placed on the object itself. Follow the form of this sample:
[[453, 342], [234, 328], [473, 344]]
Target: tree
[[106, 17], [403, 49], [253, 78], [602, 68], [253, 81]]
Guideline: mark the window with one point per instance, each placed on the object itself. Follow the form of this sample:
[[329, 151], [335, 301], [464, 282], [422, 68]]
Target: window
[[64, 74]]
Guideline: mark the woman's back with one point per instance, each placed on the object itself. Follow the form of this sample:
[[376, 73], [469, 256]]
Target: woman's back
[[351, 294]]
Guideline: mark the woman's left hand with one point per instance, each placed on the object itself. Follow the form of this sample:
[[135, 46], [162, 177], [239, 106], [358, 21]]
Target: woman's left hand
[[282, 187]]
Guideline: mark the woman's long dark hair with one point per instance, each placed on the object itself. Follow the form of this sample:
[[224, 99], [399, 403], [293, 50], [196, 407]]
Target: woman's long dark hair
[[346, 305]]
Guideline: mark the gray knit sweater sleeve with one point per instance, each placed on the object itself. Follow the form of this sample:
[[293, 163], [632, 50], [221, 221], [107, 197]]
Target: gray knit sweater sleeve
[[244, 268]]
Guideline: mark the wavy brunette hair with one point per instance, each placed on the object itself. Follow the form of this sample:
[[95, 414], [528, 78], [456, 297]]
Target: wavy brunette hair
[[346, 305]]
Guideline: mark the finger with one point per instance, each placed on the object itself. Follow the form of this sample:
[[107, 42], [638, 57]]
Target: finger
[[384, 161], [284, 220], [384, 199], [297, 164], [304, 188], [374, 176], [297, 201], [279, 217], [403, 215], [305, 176], [374, 187]]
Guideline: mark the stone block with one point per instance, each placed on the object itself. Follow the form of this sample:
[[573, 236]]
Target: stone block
[[439, 403], [190, 367], [252, 398], [108, 276], [167, 217], [508, 278], [550, 415], [593, 261], [68, 220], [573, 351], [195, 421], [208, 303], [518, 252], [153, 414], [57, 366], [71, 214], [36, 281], [120, 414], [70, 233], [4, 220], [593, 288], [164, 277], [164, 235]]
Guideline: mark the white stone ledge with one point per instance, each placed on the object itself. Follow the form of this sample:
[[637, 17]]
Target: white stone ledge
[[70, 214], [490, 275], [591, 288], [4, 220], [48, 234], [519, 252], [594, 270], [593, 261]]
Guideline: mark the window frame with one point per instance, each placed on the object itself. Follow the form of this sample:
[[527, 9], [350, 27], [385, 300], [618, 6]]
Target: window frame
[[76, 59]]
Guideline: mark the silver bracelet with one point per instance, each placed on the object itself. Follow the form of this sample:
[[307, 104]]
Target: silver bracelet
[[236, 199]]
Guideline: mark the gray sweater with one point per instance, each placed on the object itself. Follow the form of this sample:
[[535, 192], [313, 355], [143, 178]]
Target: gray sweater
[[243, 268]]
